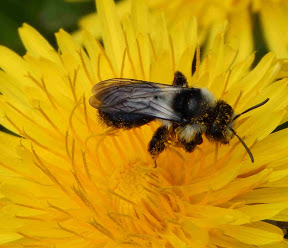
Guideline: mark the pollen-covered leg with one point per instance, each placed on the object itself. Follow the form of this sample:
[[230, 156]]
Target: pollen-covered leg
[[179, 79], [157, 143], [191, 145], [124, 120]]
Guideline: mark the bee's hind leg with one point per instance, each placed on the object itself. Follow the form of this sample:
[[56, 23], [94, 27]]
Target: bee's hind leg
[[157, 143], [191, 145], [180, 79]]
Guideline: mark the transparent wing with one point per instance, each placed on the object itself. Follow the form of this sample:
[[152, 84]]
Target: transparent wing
[[136, 97]]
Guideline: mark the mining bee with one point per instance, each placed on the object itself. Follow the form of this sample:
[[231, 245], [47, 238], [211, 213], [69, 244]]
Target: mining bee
[[185, 113]]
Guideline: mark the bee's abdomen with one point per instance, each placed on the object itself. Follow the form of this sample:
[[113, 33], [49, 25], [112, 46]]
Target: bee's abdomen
[[124, 120]]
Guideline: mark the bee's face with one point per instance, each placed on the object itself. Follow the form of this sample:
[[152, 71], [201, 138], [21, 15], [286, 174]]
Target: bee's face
[[221, 133], [220, 123]]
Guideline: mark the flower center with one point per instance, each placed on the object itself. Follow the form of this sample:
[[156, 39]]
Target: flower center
[[133, 182], [139, 198]]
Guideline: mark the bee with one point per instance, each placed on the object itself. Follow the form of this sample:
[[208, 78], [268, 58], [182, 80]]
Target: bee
[[186, 113]]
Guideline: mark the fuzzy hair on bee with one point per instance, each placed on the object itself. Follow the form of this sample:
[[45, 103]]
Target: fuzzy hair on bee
[[186, 113]]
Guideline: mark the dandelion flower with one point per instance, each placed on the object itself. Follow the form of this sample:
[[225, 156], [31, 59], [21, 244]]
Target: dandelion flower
[[70, 182], [91, 22], [240, 15], [211, 14]]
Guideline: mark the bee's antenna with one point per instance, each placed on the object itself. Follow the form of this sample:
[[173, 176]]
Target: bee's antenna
[[249, 109], [242, 142]]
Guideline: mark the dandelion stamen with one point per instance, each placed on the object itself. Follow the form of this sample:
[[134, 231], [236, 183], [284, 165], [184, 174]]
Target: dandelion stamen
[[139, 141], [71, 231], [20, 132], [72, 155], [237, 99], [73, 84], [102, 229], [86, 114], [123, 62], [42, 86], [24, 175], [45, 169], [172, 52], [233, 60], [34, 80], [31, 207], [80, 185], [42, 146], [28, 218], [83, 153], [118, 148], [22, 114], [117, 222], [152, 47], [66, 144], [140, 59], [106, 159], [49, 96], [197, 70], [100, 136], [49, 120], [129, 56], [83, 198], [71, 120], [224, 92], [98, 67], [28, 236], [106, 58], [133, 141], [221, 162], [84, 67], [121, 197], [59, 209]]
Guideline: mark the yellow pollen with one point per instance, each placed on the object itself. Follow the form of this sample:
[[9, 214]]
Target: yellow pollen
[[130, 182], [138, 195]]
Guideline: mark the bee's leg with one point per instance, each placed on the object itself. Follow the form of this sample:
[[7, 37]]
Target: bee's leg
[[157, 143], [180, 79], [191, 145]]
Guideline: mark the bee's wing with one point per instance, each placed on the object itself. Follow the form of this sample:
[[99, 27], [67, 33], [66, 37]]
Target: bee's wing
[[135, 97]]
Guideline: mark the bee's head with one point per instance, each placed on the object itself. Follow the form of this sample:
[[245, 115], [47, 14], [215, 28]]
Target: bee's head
[[220, 124]]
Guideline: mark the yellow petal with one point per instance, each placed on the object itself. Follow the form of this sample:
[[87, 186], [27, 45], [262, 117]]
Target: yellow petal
[[240, 32], [264, 211], [274, 18], [225, 241], [36, 45], [8, 237], [139, 12], [265, 195], [112, 33], [251, 235]]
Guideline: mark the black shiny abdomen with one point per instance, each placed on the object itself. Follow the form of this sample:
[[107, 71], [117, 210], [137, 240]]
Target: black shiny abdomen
[[188, 103], [124, 120]]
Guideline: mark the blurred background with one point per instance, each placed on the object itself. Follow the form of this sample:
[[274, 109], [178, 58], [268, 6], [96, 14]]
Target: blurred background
[[47, 16]]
